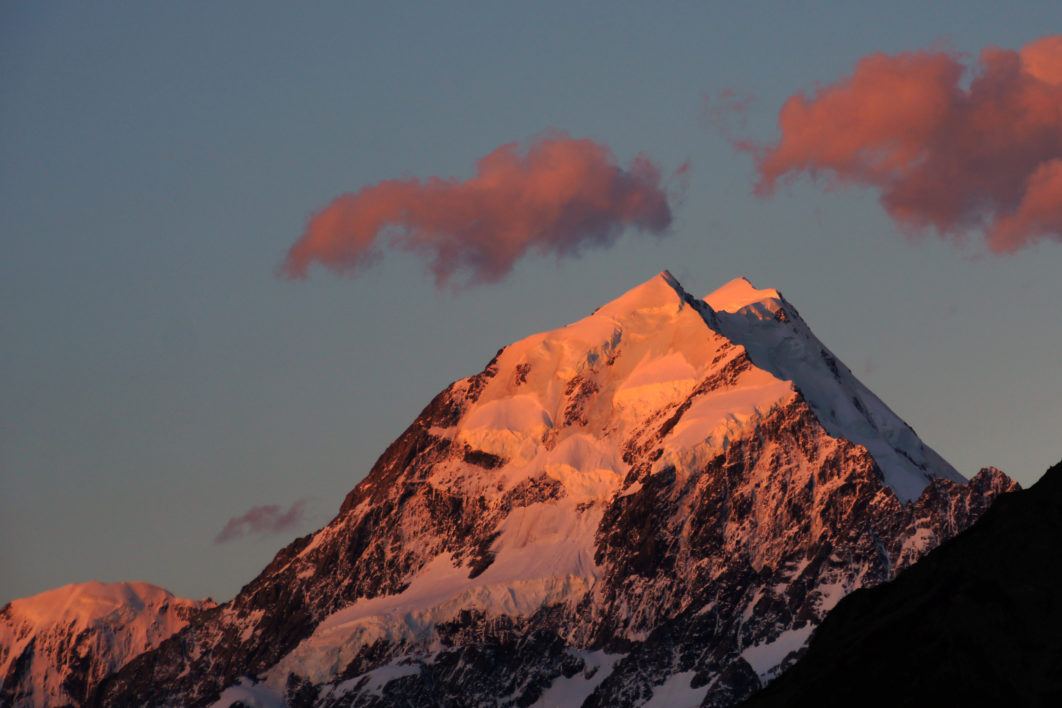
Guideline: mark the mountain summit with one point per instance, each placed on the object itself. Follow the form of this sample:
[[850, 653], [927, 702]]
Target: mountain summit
[[655, 504]]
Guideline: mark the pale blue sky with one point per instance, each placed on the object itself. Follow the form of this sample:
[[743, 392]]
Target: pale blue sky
[[157, 160]]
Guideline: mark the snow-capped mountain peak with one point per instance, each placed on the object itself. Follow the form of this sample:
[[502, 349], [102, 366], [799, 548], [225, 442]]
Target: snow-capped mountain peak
[[660, 500]]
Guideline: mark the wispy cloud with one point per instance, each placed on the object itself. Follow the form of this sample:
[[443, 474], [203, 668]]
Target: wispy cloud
[[262, 520], [727, 113], [951, 149], [558, 196]]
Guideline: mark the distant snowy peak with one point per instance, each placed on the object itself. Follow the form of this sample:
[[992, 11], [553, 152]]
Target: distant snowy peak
[[83, 605], [56, 645]]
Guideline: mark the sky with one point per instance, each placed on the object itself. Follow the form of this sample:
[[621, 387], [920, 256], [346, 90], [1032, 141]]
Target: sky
[[242, 245]]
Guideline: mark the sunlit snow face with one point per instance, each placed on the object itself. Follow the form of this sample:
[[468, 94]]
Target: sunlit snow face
[[563, 403]]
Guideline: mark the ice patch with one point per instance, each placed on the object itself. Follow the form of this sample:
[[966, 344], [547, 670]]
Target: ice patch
[[916, 544], [510, 428], [831, 594], [655, 383], [718, 415], [378, 679], [250, 694], [676, 692], [570, 692], [764, 658], [589, 469]]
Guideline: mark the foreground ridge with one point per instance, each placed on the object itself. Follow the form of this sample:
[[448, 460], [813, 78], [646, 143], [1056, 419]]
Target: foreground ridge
[[658, 502], [976, 622]]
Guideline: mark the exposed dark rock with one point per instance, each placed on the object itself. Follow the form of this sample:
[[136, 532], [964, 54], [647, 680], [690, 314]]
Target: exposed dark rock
[[579, 391]]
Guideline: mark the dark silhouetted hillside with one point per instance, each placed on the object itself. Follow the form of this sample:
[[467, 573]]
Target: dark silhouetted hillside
[[976, 622]]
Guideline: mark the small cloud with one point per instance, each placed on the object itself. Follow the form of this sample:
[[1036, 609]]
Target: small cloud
[[262, 520], [558, 196], [950, 148], [726, 108]]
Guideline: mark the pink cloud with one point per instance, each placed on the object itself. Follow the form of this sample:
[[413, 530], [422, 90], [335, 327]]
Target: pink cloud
[[558, 196], [950, 149], [261, 520]]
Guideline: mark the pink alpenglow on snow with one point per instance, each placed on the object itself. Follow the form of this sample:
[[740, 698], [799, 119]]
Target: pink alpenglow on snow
[[950, 148], [261, 520], [557, 196]]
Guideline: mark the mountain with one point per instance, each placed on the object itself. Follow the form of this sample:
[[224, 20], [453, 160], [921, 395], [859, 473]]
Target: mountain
[[56, 646], [976, 622], [654, 505]]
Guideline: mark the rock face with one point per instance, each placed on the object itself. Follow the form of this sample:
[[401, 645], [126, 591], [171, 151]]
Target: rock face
[[976, 622], [656, 503], [56, 646]]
